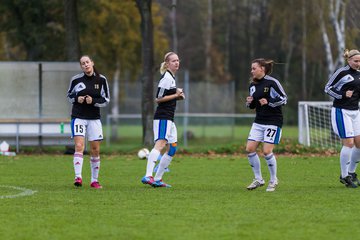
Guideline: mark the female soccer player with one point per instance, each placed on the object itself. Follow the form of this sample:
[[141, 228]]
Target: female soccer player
[[88, 92], [344, 87], [165, 133], [266, 96]]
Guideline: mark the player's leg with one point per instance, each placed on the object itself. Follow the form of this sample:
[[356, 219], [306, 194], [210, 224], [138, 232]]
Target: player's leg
[[272, 136], [254, 139], [355, 153], [78, 131], [354, 160], [272, 166], [160, 128], [164, 164], [95, 136], [342, 125], [171, 136], [345, 156]]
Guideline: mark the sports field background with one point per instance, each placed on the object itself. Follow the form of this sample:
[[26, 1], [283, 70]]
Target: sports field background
[[208, 199]]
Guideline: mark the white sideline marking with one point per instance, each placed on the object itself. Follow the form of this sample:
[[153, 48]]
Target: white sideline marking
[[24, 192]]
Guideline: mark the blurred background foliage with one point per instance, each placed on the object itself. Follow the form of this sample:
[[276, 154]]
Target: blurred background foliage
[[216, 39]]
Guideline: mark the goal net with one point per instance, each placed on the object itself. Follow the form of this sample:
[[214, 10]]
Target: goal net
[[315, 125]]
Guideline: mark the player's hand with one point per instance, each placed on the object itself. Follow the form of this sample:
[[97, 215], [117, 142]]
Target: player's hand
[[81, 99], [249, 99], [263, 101], [349, 93], [88, 99], [180, 94]]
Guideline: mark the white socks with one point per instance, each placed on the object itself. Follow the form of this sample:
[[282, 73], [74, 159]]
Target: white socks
[[256, 165], [78, 162], [254, 162], [354, 160], [151, 161], [95, 168], [94, 165], [271, 162], [345, 155], [164, 163]]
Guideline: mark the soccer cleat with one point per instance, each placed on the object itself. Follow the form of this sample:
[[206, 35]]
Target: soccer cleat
[[147, 180], [95, 185], [348, 182], [354, 178], [78, 182], [255, 184], [272, 185], [160, 183]]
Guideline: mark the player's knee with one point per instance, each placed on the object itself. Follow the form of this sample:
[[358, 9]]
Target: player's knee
[[267, 153], [160, 144], [172, 149], [250, 149], [79, 147]]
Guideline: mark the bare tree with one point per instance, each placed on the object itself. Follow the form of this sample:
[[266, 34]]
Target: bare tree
[[303, 51], [72, 42], [208, 45], [336, 13], [147, 101]]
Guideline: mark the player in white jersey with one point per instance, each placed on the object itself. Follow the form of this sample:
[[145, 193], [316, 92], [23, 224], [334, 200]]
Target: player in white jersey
[[165, 133]]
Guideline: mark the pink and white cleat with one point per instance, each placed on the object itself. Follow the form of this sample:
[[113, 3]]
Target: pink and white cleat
[[95, 185], [78, 182]]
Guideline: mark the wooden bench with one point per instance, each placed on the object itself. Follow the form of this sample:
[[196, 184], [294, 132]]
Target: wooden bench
[[35, 132]]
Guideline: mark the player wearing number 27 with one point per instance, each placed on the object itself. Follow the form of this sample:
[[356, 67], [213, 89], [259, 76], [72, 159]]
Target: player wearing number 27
[[267, 96], [88, 92]]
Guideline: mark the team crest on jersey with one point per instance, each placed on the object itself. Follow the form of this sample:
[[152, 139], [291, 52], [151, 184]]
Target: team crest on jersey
[[252, 90], [266, 89], [79, 87], [96, 86]]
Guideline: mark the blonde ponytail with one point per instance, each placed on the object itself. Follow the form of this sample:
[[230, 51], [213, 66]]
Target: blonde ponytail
[[163, 67]]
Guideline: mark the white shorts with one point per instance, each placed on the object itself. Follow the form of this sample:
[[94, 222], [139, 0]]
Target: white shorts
[[165, 129], [91, 128], [345, 123], [265, 133]]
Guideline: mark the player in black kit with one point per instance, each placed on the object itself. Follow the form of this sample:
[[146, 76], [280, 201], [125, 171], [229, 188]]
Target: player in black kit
[[344, 87], [165, 133], [88, 92], [266, 95]]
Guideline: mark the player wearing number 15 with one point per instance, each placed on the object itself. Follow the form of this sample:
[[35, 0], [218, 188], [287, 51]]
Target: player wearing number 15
[[88, 91], [266, 95]]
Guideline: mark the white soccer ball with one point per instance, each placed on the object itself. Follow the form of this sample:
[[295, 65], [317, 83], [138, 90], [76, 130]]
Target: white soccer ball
[[4, 146], [143, 153]]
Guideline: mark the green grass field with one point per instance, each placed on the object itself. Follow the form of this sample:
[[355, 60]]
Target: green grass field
[[208, 200]]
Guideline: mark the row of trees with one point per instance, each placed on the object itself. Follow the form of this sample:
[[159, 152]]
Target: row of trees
[[215, 39]]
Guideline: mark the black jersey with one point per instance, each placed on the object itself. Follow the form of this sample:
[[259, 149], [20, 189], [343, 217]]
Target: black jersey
[[271, 89], [167, 86], [342, 80], [94, 86]]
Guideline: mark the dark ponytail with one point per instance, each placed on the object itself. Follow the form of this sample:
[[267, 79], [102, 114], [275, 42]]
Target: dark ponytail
[[266, 63]]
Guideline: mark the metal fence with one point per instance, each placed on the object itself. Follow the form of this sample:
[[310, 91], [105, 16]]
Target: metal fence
[[35, 89]]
